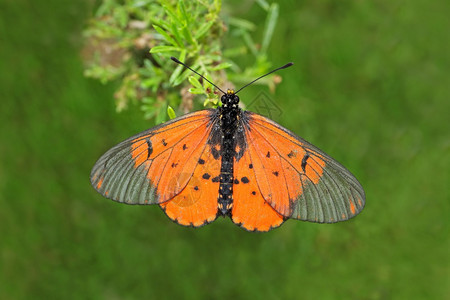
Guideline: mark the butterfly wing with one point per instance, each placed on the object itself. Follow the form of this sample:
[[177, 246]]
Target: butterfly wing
[[250, 211], [295, 178], [162, 166], [196, 205]]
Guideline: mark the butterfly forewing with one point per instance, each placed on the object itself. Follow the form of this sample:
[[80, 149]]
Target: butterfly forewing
[[157, 164]]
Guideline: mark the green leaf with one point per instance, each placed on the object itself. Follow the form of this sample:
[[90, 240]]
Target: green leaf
[[184, 14], [269, 28], [213, 101], [249, 42], [263, 4], [195, 83], [196, 91], [171, 112], [176, 34], [182, 56], [159, 49], [150, 82], [204, 28], [174, 79], [181, 78], [221, 66], [175, 74], [242, 24], [166, 36], [171, 12], [187, 35]]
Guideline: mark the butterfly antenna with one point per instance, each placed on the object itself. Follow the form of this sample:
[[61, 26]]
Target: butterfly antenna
[[283, 67], [183, 64]]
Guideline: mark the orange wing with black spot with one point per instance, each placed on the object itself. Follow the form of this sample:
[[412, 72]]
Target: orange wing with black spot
[[279, 176], [165, 165]]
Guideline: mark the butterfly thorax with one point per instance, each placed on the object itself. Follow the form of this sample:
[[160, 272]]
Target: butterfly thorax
[[229, 112]]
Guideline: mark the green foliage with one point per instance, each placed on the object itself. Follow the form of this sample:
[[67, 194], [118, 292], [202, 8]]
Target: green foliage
[[131, 42]]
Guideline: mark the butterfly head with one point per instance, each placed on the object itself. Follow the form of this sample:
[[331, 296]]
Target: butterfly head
[[230, 99]]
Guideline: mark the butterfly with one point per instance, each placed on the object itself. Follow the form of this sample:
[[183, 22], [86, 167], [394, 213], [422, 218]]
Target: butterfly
[[228, 162]]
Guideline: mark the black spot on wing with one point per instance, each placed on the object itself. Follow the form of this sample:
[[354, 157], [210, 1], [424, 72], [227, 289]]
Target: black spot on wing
[[184, 147], [268, 154], [304, 159], [245, 180], [236, 181], [275, 173], [164, 142], [215, 151], [250, 166], [149, 147], [216, 179], [291, 154], [201, 161], [206, 176]]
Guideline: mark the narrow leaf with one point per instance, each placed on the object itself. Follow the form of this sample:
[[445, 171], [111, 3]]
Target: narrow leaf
[[204, 28], [182, 9], [263, 4], [166, 36], [159, 49], [182, 56], [171, 112], [196, 91], [249, 42], [181, 78], [187, 35], [221, 66], [242, 24], [271, 21], [171, 12], [175, 74], [195, 83], [176, 34], [174, 79]]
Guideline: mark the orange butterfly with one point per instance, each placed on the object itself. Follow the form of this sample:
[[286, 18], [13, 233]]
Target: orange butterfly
[[228, 162]]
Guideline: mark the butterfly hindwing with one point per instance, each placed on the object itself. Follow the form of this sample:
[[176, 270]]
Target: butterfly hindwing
[[156, 165], [297, 179], [196, 205], [250, 210]]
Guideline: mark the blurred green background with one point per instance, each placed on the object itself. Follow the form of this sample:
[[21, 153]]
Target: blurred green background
[[370, 86]]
